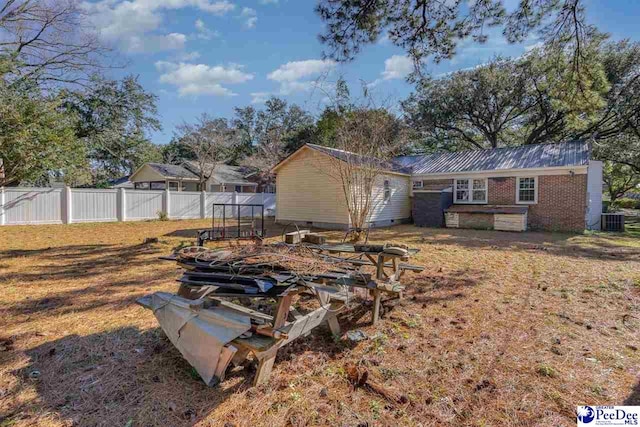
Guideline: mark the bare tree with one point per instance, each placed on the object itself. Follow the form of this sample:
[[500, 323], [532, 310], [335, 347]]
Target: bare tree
[[210, 141], [366, 141], [50, 41]]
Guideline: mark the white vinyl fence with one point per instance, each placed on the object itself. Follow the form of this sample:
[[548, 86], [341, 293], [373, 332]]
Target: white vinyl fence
[[68, 205]]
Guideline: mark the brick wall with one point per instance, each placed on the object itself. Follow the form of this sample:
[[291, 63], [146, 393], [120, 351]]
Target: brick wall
[[562, 201], [502, 191]]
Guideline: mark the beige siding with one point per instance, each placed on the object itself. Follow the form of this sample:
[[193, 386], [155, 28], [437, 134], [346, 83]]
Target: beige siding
[[146, 173], [307, 192], [398, 206]]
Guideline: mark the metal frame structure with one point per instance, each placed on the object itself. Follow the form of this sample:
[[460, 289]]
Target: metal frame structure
[[219, 231]]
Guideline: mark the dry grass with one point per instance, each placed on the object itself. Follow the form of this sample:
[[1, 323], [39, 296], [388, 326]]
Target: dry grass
[[500, 329]]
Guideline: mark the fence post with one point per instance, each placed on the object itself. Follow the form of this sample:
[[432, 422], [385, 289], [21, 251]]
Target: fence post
[[203, 204], [121, 205], [3, 212], [166, 201], [67, 214], [234, 200]]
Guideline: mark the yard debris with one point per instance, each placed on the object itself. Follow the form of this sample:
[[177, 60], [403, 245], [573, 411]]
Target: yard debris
[[315, 238], [357, 335], [6, 344], [211, 332], [295, 236], [359, 377]]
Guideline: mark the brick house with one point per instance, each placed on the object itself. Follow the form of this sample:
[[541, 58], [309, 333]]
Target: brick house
[[556, 187]]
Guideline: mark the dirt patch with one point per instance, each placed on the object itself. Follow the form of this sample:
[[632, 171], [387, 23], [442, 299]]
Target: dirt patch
[[500, 329]]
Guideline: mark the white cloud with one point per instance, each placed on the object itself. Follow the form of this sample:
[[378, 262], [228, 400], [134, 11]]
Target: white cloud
[[188, 56], [152, 43], [384, 39], [268, 2], [250, 17], [201, 79], [297, 76], [204, 33], [128, 23], [259, 97], [297, 70], [397, 67]]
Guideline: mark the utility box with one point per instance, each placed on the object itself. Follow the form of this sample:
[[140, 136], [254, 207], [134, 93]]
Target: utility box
[[612, 222], [427, 207]]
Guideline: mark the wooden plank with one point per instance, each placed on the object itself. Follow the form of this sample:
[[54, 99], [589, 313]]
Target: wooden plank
[[282, 311], [240, 356], [264, 370], [305, 324], [295, 237], [510, 222], [314, 238], [227, 353], [332, 320], [377, 297], [255, 343], [249, 312], [452, 220]]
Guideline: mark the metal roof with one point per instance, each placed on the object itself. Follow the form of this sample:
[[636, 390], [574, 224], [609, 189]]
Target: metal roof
[[572, 153], [172, 171], [392, 166], [224, 174]]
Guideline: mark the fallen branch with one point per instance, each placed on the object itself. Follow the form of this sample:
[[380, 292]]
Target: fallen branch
[[359, 377]]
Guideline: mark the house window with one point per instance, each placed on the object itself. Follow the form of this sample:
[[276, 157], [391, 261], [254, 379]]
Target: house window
[[238, 189], [270, 188], [417, 185], [141, 185], [387, 190], [160, 185], [173, 185], [527, 190], [471, 190]]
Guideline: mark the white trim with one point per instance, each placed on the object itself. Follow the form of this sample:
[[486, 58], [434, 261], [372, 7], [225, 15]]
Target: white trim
[[470, 190], [565, 170], [535, 191]]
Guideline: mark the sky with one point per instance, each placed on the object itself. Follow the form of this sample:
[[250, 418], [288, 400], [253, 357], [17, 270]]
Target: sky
[[209, 56]]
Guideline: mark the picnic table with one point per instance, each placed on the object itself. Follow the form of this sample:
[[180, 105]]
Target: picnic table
[[382, 261]]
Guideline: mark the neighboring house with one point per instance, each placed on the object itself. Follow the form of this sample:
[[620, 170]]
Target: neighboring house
[[122, 182], [544, 186], [309, 194], [185, 177]]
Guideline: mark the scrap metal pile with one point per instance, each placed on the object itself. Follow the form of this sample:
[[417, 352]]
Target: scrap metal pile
[[262, 271], [239, 301]]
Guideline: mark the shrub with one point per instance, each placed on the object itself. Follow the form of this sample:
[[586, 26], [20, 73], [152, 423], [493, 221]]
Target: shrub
[[163, 216], [626, 203]]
